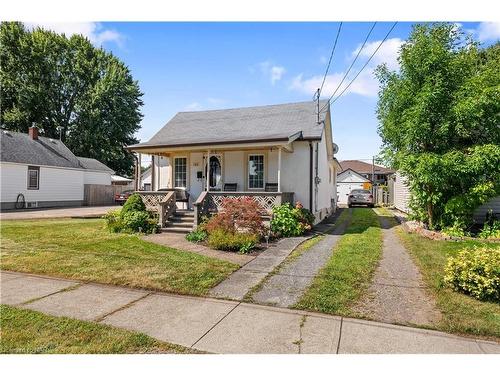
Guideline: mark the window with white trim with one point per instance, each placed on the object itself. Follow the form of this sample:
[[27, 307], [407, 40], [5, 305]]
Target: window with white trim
[[33, 178], [256, 171], [180, 172]]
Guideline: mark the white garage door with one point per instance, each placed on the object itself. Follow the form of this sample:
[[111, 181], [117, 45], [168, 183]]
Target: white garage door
[[344, 189]]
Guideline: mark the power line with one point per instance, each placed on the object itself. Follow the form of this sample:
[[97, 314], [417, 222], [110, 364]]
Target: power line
[[329, 61], [353, 62], [362, 68]]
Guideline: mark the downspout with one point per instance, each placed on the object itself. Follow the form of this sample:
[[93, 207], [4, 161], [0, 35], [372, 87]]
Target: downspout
[[316, 179], [310, 176], [136, 162]]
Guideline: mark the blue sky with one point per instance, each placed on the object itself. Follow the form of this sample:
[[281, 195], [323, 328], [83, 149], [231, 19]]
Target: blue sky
[[198, 66]]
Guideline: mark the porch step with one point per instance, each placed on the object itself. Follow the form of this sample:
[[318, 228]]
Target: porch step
[[179, 224], [176, 230], [184, 213], [182, 219]]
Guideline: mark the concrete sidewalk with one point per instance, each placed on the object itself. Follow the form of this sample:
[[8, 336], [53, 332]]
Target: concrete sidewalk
[[56, 213], [220, 326]]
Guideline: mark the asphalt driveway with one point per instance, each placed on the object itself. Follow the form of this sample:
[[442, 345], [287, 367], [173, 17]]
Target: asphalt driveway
[[54, 213]]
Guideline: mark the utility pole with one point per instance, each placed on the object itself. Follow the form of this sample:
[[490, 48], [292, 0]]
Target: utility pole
[[373, 170], [316, 99]]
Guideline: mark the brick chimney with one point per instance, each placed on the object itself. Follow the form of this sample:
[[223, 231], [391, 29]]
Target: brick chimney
[[33, 132]]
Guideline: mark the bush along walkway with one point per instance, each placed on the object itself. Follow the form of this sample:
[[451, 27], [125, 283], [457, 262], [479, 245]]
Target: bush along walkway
[[292, 278], [397, 293]]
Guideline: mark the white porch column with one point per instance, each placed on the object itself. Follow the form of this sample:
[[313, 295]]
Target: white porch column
[[207, 173], [139, 172], [279, 170]]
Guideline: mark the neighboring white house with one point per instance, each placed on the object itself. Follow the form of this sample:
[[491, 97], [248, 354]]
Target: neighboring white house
[[401, 193], [274, 153], [349, 180], [146, 180], [42, 172], [402, 197]]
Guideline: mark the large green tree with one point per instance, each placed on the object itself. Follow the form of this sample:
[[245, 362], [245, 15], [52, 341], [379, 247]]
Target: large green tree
[[69, 88], [440, 122]]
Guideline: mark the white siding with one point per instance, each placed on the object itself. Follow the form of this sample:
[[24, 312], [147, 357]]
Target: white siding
[[97, 178], [234, 168], [295, 172], [401, 193], [56, 184]]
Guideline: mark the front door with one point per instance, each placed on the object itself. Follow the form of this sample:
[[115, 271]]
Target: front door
[[215, 172]]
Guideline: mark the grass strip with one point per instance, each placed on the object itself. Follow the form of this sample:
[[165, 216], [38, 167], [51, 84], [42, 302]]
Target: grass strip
[[31, 332], [349, 271], [461, 313]]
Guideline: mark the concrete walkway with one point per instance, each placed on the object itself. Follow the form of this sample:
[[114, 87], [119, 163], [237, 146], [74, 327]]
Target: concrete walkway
[[239, 283], [55, 213], [286, 287], [178, 241], [219, 326], [398, 293]]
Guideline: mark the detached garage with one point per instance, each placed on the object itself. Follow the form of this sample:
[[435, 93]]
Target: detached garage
[[349, 180]]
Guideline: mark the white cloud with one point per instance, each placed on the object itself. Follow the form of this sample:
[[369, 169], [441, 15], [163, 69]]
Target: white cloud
[[94, 31], [488, 31], [274, 72], [365, 84], [388, 52], [195, 106]]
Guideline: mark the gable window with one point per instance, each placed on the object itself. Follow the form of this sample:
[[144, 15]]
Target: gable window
[[180, 172], [256, 171], [33, 178]]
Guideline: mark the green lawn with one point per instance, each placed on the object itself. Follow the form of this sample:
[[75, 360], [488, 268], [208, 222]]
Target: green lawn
[[83, 249], [348, 273], [30, 332], [461, 313]]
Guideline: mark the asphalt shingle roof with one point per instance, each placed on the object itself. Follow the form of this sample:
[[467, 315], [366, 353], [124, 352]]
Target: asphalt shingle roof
[[240, 124], [362, 167], [20, 148], [94, 164]]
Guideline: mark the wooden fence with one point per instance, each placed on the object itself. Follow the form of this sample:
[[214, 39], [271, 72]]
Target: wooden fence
[[101, 195]]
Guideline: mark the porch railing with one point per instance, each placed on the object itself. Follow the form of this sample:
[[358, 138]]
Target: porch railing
[[211, 202], [161, 203]]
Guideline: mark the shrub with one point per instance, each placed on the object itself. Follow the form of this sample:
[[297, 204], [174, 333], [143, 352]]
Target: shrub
[[114, 221], [139, 221], [230, 241], [475, 271], [291, 221], [133, 203], [490, 230], [455, 231], [237, 215], [197, 235]]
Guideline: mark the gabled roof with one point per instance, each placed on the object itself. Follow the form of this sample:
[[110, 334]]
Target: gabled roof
[[271, 122], [349, 170], [94, 164], [20, 148], [362, 167]]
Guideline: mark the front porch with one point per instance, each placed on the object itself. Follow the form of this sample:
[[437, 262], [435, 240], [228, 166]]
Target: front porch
[[164, 205], [198, 180]]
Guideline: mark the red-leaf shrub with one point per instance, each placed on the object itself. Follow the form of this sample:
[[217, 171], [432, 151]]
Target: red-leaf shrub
[[237, 214]]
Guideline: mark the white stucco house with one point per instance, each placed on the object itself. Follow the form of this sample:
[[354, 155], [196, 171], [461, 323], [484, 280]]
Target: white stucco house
[[41, 172], [348, 180], [274, 153]]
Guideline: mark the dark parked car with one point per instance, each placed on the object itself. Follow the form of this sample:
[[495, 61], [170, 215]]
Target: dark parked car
[[360, 197], [122, 197]]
